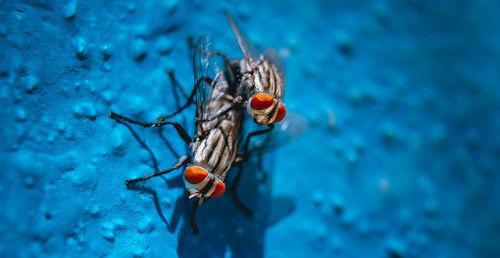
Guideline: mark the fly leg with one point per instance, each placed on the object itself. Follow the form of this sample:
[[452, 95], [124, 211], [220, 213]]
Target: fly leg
[[224, 56], [227, 64], [236, 104], [246, 153], [181, 162], [236, 199], [180, 130], [237, 162], [190, 99], [176, 84], [193, 223], [176, 88], [142, 143]]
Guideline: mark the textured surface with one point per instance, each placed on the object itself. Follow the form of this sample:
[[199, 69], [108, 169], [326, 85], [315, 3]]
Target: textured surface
[[400, 158]]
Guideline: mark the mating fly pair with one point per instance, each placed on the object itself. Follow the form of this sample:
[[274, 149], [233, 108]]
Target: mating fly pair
[[223, 90]]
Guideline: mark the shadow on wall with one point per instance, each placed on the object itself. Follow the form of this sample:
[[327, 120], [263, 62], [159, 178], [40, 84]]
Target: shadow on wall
[[224, 228]]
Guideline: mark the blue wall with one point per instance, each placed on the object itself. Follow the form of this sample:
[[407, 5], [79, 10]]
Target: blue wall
[[400, 158]]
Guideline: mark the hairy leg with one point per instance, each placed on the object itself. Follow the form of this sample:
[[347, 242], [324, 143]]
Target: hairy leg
[[181, 162]]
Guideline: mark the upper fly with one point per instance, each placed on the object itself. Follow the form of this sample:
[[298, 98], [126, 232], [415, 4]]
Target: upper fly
[[262, 80]]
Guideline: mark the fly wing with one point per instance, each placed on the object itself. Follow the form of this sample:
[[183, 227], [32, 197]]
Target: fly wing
[[271, 55], [284, 132], [206, 66], [248, 49]]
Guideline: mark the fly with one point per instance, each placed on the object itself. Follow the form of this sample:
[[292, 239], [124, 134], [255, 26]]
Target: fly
[[262, 80], [218, 143]]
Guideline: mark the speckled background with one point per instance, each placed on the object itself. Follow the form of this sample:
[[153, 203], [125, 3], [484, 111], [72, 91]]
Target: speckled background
[[400, 157]]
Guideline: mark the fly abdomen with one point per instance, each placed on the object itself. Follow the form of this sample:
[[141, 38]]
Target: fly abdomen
[[217, 151], [262, 78]]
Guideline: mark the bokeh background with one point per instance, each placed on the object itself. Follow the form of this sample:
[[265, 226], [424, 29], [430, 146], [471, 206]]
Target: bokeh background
[[400, 157]]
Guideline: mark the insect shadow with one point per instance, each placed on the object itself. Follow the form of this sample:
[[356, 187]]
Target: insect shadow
[[223, 227], [175, 182]]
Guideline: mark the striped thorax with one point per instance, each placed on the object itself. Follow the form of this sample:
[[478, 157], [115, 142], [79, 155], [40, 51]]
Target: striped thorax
[[262, 80], [263, 87]]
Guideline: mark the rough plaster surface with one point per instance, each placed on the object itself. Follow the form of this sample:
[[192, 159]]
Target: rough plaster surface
[[400, 157]]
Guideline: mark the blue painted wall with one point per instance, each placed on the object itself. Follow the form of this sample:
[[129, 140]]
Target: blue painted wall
[[400, 158]]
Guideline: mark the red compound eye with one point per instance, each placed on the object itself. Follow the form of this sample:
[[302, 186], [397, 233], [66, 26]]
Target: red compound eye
[[219, 189], [281, 114], [261, 101], [195, 174]]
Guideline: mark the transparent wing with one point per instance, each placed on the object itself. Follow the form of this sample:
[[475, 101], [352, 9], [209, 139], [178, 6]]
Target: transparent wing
[[206, 66], [249, 51], [284, 132], [271, 55]]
